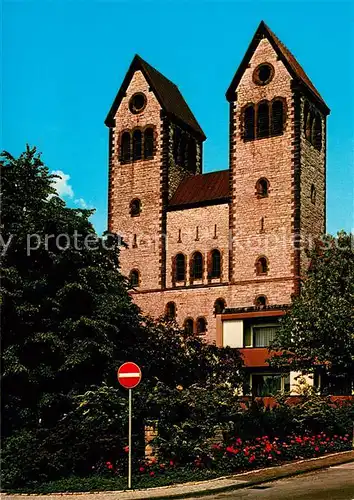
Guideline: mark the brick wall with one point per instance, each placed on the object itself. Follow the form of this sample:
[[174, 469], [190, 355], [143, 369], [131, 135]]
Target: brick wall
[[198, 223]]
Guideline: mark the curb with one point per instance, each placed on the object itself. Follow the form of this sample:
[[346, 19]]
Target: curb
[[233, 482]]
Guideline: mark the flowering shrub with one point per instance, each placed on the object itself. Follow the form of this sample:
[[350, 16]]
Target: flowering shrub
[[238, 455], [263, 451]]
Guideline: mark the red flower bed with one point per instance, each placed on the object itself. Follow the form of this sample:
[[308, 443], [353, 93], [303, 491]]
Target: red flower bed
[[239, 455]]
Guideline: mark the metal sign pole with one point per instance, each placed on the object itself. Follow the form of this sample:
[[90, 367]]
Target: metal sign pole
[[130, 442]]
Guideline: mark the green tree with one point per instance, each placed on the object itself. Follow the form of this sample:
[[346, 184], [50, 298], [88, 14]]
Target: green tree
[[318, 331], [68, 322], [67, 317]]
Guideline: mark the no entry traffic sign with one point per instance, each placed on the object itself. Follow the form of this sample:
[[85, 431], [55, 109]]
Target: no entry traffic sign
[[129, 375]]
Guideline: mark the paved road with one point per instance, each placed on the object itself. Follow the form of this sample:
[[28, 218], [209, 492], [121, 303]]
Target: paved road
[[335, 483]]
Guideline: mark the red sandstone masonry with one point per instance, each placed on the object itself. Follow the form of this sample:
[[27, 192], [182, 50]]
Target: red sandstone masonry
[[139, 179], [289, 162]]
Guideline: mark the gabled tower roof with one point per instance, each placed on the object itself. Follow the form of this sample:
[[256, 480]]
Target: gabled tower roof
[[167, 93], [284, 54]]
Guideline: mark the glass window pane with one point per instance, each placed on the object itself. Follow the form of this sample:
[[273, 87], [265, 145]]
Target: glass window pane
[[263, 335]]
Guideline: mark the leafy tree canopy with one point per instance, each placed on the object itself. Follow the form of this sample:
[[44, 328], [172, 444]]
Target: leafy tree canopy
[[68, 320], [318, 331]]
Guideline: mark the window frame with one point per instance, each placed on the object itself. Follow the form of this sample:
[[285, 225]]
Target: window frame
[[137, 272], [261, 325], [169, 316], [259, 193], [189, 319], [201, 318], [132, 212], [125, 156], [136, 154], [212, 254], [263, 273], [176, 275], [283, 377], [193, 267]]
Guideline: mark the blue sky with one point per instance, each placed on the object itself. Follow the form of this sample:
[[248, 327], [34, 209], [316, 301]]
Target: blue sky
[[63, 62]]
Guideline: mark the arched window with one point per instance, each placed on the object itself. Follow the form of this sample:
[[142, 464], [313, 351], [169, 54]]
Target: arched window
[[176, 143], [261, 301], [201, 326], [249, 123], [263, 120], [125, 147], [180, 271], [135, 207], [148, 143], [134, 277], [189, 326], [197, 266], [183, 151], [215, 264], [219, 306], [317, 133], [170, 310], [261, 266], [313, 194], [308, 125], [277, 117], [262, 187], [137, 136], [192, 155]]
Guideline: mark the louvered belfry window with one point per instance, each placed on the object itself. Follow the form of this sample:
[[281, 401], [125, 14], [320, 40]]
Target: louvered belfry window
[[277, 118], [249, 124], [148, 143], [263, 120], [137, 142]]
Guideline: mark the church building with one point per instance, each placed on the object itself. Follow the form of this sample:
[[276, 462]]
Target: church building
[[222, 253]]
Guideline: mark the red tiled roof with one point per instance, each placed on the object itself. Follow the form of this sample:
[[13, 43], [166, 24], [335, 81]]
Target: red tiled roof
[[202, 188], [285, 55]]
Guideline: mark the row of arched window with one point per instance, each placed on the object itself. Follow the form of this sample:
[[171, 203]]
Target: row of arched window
[[197, 266], [200, 325], [184, 149], [313, 126], [265, 119], [137, 144]]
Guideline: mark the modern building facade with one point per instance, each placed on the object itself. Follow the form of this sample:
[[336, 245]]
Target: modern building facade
[[220, 252]]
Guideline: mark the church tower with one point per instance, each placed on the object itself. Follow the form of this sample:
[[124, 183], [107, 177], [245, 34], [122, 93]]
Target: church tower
[[154, 143], [277, 170]]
